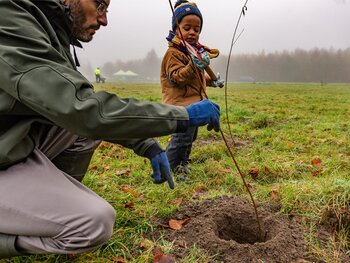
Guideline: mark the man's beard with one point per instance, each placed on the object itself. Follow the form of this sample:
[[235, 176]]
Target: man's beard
[[80, 31]]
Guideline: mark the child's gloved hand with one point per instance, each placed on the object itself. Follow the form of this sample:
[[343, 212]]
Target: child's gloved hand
[[161, 169], [201, 63], [218, 82]]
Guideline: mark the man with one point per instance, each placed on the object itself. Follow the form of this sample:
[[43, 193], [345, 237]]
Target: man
[[98, 75], [51, 121]]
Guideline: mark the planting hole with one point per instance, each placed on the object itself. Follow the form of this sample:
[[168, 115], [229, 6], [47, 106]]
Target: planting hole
[[239, 229]]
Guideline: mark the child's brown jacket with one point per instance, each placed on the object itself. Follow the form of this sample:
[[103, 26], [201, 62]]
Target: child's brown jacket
[[181, 84]]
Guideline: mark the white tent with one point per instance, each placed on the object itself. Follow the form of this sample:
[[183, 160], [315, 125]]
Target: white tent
[[122, 73]]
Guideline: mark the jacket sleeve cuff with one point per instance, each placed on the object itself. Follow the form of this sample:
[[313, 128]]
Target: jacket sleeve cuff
[[153, 150], [182, 125]]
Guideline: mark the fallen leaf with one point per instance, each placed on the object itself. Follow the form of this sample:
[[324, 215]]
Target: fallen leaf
[[118, 259], [106, 167], [132, 192], [94, 168], [266, 170], [123, 172], [146, 243], [157, 251], [160, 257], [163, 259], [317, 162], [129, 205], [254, 172], [177, 201], [317, 172], [274, 195], [177, 224]]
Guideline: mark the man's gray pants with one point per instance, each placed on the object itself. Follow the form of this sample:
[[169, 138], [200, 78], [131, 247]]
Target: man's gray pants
[[48, 210]]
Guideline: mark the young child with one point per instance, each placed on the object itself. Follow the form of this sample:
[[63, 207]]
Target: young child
[[183, 79]]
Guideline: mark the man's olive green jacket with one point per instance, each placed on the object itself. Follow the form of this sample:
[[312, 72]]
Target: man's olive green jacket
[[39, 84]]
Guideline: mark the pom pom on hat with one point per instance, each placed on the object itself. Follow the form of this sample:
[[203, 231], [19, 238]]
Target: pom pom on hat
[[184, 8]]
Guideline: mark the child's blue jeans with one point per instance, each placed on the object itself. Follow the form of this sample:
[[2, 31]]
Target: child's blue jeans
[[180, 146]]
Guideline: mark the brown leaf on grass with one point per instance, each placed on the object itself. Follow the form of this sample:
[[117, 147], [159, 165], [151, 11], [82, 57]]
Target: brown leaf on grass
[[106, 167], [102, 146], [163, 259], [317, 162], [160, 257], [177, 201], [274, 195], [177, 224], [146, 243], [123, 172], [129, 205], [132, 192], [254, 172], [199, 191], [316, 172], [267, 170], [118, 259], [94, 168]]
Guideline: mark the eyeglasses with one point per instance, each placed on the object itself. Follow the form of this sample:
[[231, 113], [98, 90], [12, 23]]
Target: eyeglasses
[[101, 7]]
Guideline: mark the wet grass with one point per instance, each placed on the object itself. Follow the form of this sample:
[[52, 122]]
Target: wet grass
[[294, 148]]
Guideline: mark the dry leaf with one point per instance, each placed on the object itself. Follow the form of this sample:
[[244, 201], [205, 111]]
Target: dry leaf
[[118, 259], [123, 172], [132, 192], [254, 172], [106, 167], [161, 258], [177, 224], [129, 205], [146, 243], [177, 201], [317, 162], [274, 195], [266, 170], [317, 172]]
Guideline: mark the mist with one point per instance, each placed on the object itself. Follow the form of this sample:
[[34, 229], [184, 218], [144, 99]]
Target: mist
[[136, 27]]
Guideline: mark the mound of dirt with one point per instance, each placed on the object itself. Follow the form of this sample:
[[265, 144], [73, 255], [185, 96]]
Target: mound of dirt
[[227, 227]]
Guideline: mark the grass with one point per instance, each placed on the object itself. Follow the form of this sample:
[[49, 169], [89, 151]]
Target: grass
[[283, 129]]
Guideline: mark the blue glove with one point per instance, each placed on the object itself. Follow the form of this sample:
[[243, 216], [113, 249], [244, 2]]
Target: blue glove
[[204, 112], [161, 169], [218, 82]]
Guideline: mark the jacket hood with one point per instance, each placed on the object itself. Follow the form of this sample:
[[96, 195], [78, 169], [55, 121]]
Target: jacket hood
[[60, 18]]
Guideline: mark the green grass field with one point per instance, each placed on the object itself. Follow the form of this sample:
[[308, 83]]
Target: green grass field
[[294, 149]]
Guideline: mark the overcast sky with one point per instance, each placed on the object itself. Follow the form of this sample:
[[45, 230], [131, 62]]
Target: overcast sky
[[137, 26]]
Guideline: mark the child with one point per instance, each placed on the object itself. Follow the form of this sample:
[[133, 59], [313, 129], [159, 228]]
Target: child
[[184, 81]]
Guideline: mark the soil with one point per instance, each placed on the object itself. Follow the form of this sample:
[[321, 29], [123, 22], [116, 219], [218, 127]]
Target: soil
[[227, 227]]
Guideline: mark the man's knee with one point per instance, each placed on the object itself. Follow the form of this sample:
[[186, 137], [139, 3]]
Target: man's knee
[[92, 229], [102, 221]]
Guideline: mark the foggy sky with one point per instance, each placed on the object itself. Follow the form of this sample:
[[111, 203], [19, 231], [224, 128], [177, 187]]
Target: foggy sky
[[137, 26]]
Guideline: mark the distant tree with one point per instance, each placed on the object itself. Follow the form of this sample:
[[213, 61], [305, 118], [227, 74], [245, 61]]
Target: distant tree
[[316, 65]]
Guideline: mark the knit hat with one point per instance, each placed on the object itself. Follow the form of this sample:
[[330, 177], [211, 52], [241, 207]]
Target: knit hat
[[184, 8]]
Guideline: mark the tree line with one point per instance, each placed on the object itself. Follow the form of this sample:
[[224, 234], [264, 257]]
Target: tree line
[[316, 65]]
